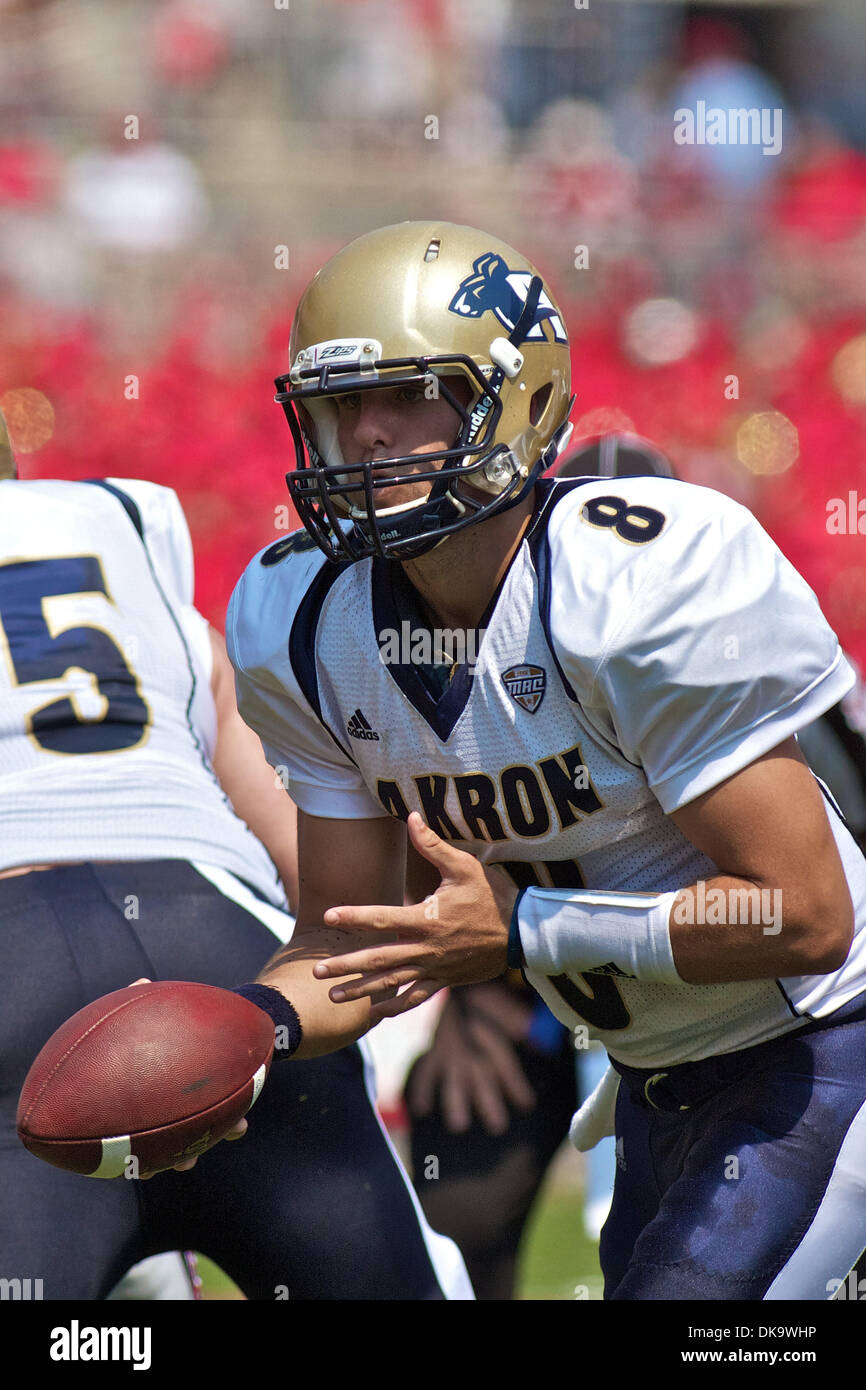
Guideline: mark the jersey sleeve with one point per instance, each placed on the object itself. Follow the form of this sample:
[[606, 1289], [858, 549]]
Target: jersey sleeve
[[166, 535], [320, 776], [714, 648]]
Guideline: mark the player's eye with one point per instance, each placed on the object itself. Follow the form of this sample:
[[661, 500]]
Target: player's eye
[[349, 401], [407, 395]]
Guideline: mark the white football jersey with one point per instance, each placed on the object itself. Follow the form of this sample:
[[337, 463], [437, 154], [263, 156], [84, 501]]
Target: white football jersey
[[107, 721], [648, 641]]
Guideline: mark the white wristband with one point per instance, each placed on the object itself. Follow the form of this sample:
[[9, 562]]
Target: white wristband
[[563, 931]]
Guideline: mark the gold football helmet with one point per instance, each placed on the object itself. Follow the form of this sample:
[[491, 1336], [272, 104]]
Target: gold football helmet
[[416, 305]]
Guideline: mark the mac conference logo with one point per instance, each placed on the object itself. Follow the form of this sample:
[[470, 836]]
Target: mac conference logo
[[526, 685]]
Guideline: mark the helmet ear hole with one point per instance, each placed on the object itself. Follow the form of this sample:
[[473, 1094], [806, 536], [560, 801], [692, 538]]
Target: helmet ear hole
[[539, 402]]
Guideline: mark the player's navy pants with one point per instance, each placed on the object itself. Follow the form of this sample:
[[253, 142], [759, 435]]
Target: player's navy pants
[[757, 1190], [310, 1204]]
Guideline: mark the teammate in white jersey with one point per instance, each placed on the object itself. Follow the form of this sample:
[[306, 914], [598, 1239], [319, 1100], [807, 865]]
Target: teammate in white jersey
[[122, 856], [596, 689]]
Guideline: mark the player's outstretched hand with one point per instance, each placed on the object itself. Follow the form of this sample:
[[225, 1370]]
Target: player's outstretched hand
[[456, 936], [236, 1132]]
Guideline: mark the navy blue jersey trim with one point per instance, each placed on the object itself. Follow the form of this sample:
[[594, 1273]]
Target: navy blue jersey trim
[[126, 502], [548, 492], [539, 549], [302, 643], [791, 1005], [394, 600]]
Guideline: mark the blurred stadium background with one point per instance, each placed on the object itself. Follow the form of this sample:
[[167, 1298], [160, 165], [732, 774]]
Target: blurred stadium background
[[172, 172]]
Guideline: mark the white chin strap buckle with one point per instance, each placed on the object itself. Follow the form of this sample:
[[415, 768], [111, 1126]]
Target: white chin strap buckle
[[506, 357]]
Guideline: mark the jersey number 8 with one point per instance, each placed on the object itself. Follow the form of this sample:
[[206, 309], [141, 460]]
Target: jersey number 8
[[635, 525]]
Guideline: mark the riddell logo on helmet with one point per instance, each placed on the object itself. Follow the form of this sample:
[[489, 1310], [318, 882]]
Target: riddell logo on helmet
[[478, 416]]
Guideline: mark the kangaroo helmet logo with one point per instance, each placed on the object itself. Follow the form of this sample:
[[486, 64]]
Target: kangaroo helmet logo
[[493, 286]]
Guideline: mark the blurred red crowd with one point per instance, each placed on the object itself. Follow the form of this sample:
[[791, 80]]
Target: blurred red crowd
[[206, 424]]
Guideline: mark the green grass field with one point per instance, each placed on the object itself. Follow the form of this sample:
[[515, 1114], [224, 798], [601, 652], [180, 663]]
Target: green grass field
[[556, 1257], [557, 1260]]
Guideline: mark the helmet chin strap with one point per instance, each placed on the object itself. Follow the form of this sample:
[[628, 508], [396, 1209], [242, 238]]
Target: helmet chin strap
[[360, 513], [527, 317], [409, 510]]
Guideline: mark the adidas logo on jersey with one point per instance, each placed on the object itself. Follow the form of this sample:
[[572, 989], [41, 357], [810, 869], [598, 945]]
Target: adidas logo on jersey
[[358, 727], [610, 969]]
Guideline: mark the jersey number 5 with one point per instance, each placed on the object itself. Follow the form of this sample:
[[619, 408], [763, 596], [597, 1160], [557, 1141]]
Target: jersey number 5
[[104, 711]]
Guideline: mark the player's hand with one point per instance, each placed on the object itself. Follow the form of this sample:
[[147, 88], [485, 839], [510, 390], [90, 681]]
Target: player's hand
[[236, 1132], [457, 936], [472, 1062]]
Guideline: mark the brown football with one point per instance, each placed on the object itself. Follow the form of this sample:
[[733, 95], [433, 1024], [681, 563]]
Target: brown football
[[155, 1073]]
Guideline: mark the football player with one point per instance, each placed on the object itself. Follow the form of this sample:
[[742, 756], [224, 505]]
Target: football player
[[131, 791], [580, 699], [494, 1095]]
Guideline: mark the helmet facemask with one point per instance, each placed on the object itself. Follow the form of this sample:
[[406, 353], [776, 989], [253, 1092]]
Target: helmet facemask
[[329, 490]]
